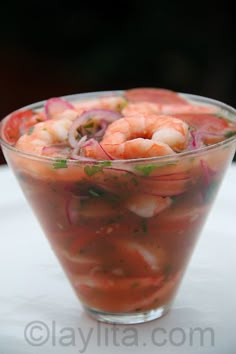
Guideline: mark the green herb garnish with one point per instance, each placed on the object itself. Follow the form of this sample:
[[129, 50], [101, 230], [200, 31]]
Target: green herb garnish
[[145, 169], [95, 193], [105, 163], [30, 131], [92, 170], [135, 182], [89, 125], [173, 197], [230, 134], [60, 164], [144, 225]]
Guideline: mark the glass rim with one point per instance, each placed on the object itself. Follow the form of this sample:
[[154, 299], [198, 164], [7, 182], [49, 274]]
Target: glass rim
[[196, 152]]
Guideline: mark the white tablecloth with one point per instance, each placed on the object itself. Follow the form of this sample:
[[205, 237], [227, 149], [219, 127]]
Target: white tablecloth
[[39, 312]]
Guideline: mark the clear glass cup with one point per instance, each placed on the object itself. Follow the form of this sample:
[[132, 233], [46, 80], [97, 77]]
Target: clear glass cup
[[124, 264]]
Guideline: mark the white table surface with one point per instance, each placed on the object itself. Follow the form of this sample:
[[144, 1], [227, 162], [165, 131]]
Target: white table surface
[[34, 291]]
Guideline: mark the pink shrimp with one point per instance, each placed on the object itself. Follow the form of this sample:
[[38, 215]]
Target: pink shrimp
[[147, 205], [143, 136], [45, 134], [112, 102], [56, 108]]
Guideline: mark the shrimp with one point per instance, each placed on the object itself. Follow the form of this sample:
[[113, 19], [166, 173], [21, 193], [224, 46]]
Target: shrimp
[[45, 134], [58, 108], [146, 205], [143, 136], [156, 108], [140, 257], [111, 102]]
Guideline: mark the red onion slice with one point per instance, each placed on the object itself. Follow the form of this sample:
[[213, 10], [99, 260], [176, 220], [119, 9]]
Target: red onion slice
[[57, 150], [56, 105], [94, 144], [208, 172], [102, 115], [199, 136]]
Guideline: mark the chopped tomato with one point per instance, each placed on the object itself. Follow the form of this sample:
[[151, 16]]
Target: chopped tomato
[[18, 123], [161, 96], [206, 122]]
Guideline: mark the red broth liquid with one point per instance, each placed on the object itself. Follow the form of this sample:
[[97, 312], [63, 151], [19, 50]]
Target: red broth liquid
[[118, 261]]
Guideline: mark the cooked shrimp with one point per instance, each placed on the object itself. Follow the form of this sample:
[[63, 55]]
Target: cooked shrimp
[[112, 102], [143, 136], [57, 108], [153, 260], [165, 292], [44, 134], [149, 108], [147, 205]]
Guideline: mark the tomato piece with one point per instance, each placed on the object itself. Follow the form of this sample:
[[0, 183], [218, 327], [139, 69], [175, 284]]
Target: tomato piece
[[206, 122], [154, 95], [18, 123]]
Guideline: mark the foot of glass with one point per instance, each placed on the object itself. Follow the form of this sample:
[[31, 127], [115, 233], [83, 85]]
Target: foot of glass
[[127, 318]]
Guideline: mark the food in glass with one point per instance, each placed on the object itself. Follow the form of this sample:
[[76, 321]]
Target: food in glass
[[122, 183]]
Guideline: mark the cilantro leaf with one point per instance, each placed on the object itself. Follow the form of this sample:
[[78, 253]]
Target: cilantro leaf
[[105, 163], [91, 170], [89, 125], [60, 164], [95, 193], [144, 225], [230, 133], [145, 169]]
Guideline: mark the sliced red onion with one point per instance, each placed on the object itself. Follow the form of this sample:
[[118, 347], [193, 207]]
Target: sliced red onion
[[206, 172], [195, 141], [197, 137], [95, 144], [84, 143], [101, 132], [169, 177], [71, 211], [104, 151], [57, 150], [164, 194], [80, 144], [119, 170], [56, 105], [103, 115], [76, 156]]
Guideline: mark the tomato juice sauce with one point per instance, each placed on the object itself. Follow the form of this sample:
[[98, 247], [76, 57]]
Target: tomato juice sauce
[[117, 260]]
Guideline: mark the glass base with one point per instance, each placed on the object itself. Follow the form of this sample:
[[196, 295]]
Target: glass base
[[127, 318]]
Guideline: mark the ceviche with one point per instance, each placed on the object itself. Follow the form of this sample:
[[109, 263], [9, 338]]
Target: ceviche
[[121, 183]]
